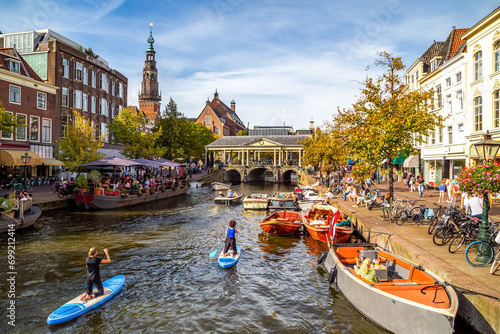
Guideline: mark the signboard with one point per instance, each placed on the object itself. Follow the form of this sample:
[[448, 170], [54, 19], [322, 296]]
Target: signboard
[[432, 177], [454, 187]]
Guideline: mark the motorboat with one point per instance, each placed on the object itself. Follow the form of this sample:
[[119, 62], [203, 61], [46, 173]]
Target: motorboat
[[283, 222], [318, 220], [256, 202], [221, 185]]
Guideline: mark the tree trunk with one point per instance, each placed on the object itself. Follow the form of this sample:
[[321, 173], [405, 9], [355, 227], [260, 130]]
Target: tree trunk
[[391, 180]]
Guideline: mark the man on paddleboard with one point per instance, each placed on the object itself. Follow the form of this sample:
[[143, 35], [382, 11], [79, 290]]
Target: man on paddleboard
[[93, 274]]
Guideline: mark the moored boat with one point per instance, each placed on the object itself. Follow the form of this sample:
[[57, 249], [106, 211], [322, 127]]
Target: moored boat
[[280, 201], [221, 185], [29, 215], [282, 222], [408, 298], [256, 202], [222, 199], [319, 218]]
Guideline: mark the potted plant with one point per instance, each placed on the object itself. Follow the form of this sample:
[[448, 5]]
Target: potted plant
[[82, 183], [124, 193], [95, 178], [8, 204]]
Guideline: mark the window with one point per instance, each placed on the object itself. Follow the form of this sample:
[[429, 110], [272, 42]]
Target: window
[[435, 64], [85, 76], [13, 66], [41, 101], [460, 98], [113, 90], [85, 106], [112, 110], [64, 126], [450, 135], [103, 82], [21, 130], [34, 128], [496, 108], [440, 135], [458, 77], [77, 99], [439, 96], [103, 131], [496, 57], [412, 79], [478, 113], [478, 66], [93, 104], [78, 71], [416, 74], [46, 130], [94, 74], [208, 120], [433, 138], [461, 127], [448, 82], [7, 134], [217, 131], [65, 68], [65, 97], [15, 94], [448, 103], [121, 93]]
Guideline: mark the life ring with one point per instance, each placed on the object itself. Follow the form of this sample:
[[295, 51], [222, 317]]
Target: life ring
[[322, 258], [333, 275]]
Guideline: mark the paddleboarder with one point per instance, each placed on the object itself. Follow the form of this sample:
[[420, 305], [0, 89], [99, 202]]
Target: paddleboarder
[[93, 274], [231, 238]]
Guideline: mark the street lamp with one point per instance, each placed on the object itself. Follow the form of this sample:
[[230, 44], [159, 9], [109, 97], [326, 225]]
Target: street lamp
[[26, 159], [486, 149]]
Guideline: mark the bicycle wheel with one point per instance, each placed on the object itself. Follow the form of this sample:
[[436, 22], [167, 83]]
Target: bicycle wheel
[[432, 225], [449, 235], [495, 264], [60, 193], [479, 254], [403, 217], [456, 242], [439, 234], [29, 189]]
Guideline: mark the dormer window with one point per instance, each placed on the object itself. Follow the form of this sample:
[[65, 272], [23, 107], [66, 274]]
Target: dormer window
[[435, 63], [13, 66]]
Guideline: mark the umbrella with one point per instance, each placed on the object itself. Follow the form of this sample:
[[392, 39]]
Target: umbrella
[[112, 161], [168, 163], [149, 163]]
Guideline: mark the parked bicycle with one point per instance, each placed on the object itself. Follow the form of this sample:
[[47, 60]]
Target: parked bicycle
[[65, 190], [480, 253], [17, 187], [434, 222]]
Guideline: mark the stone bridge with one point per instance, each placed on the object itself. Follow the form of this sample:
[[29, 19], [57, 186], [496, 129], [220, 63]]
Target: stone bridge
[[269, 173]]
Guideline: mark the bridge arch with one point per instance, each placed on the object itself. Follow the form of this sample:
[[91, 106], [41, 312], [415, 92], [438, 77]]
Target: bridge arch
[[234, 175]]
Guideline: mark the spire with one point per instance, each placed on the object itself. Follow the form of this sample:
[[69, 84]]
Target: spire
[[216, 95], [151, 40]]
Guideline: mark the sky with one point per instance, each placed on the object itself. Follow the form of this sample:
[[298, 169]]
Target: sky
[[283, 62]]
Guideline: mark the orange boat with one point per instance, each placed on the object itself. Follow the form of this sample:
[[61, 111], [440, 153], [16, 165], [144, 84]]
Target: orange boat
[[282, 222], [318, 219]]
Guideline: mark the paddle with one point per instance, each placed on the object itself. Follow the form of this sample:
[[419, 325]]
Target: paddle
[[215, 251]]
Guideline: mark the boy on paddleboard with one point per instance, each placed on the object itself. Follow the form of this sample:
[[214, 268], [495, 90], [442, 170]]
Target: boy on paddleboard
[[93, 274], [231, 238]]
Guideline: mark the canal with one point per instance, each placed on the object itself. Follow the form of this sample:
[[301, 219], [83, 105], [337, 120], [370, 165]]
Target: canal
[[171, 285]]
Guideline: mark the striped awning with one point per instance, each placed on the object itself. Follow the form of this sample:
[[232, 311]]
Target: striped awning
[[13, 158], [52, 162]]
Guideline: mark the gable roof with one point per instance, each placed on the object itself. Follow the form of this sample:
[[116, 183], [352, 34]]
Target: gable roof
[[24, 68], [222, 109], [245, 140]]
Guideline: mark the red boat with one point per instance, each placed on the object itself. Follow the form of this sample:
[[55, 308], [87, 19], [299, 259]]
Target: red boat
[[282, 222], [318, 219]]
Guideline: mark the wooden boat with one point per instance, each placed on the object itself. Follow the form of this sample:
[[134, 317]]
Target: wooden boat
[[256, 201], [408, 298], [318, 219], [280, 201], [75, 307], [109, 202], [28, 215], [229, 261], [221, 185], [282, 222], [222, 199]]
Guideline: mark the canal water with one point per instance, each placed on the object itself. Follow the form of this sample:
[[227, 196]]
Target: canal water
[[172, 286]]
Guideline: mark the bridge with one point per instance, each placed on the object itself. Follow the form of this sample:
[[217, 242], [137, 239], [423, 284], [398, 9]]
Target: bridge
[[269, 173]]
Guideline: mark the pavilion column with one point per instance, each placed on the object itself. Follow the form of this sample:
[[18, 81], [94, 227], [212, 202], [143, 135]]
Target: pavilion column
[[206, 157], [259, 156], [300, 157], [239, 155], [224, 157], [274, 161]]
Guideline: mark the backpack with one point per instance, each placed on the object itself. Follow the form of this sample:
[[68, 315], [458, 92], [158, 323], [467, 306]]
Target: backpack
[[442, 187]]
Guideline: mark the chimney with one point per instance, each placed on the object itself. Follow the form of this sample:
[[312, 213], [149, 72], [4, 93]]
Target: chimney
[[233, 105], [208, 101], [311, 124]]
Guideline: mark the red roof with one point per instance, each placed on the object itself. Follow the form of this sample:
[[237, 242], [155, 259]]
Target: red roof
[[457, 41]]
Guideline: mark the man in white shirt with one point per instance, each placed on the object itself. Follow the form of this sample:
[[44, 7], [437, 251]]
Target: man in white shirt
[[476, 206]]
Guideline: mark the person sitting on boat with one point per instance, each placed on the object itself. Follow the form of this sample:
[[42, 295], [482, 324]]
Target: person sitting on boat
[[93, 264], [146, 184], [230, 193], [221, 194], [231, 238], [366, 271]]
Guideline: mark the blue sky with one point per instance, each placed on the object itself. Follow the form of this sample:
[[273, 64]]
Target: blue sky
[[283, 62]]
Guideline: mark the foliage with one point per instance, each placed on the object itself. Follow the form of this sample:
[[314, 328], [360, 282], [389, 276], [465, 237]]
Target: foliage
[[81, 181], [242, 133], [387, 119], [128, 129], [94, 176], [8, 122], [481, 179], [325, 147], [8, 202], [361, 171], [180, 137], [81, 145]]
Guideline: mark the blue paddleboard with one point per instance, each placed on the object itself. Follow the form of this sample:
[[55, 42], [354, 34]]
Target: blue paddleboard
[[229, 261], [76, 307]]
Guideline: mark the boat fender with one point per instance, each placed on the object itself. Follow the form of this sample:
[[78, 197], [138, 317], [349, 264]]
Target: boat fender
[[333, 275], [322, 258]]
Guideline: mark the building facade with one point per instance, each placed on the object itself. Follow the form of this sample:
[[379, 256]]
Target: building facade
[[219, 118], [150, 97], [84, 80]]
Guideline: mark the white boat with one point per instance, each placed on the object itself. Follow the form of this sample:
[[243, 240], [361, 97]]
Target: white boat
[[221, 185], [407, 298], [196, 184], [223, 199], [256, 202], [310, 197]]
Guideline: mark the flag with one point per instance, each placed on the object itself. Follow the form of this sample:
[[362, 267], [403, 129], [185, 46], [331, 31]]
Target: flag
[[333, 226]]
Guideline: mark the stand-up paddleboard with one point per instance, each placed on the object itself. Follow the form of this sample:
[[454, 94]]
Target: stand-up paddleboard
[[229, 261], [76, 307]]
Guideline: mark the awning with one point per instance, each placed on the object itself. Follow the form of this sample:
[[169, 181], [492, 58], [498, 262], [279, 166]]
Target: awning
[[411, 162], [400, 159], [13, 158], [52, 162]]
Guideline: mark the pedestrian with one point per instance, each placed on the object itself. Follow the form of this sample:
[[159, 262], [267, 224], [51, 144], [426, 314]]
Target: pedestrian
[[449, 189], [465, 201], [408, 178], [442, 190], [231, 238], [421, 185], [93, 264], [412, 183], [476, 206]]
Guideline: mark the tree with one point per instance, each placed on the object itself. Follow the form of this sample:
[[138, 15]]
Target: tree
[[242, 133], [7, 121], [81, 143], [128, 129], [387, 119]]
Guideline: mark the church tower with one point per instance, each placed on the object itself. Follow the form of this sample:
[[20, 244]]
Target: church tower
[[149, 97]]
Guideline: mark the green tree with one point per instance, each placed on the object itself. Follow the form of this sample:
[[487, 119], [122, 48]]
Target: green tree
[[128, 129], [8, 121], [173, 129], [81, 144], [387, 119], [242, 133]]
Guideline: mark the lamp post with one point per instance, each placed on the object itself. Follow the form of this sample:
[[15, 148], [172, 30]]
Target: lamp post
[[26, 159], [486, 149]]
